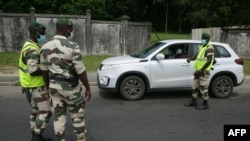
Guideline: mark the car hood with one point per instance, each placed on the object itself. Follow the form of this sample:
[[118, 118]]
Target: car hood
[[121, 60]]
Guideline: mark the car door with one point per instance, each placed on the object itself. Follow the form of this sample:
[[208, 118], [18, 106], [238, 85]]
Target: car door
[[171, 72], [192, 50]]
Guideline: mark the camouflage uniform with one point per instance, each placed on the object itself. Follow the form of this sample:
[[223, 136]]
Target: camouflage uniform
[[40, 108], [59, 56], [201, 84]]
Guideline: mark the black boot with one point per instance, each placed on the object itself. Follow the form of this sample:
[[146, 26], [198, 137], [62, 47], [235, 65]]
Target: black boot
[[204, 106], [45, 139], [38, 137], [192, 103]]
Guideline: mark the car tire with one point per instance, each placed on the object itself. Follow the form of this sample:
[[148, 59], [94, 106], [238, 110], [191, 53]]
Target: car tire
[[222, 87], [132, 88]]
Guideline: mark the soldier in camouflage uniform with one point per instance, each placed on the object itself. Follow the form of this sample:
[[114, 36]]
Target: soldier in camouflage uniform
[[32, 82], [204, 60], [62, 66]]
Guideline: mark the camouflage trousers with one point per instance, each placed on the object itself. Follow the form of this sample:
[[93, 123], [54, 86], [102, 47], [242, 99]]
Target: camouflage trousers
[[40, 110], [72, 100], [200, 84]]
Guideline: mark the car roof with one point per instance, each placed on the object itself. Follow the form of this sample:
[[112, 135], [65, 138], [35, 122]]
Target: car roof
[[189, 41]]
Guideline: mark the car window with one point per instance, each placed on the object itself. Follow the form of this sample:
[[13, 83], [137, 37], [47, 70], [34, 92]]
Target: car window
[[147, 51], [220, 51], [168, 52], [176, 51], [192, 49]]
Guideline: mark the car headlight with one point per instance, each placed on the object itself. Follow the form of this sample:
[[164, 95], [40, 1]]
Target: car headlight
[[107, 67]]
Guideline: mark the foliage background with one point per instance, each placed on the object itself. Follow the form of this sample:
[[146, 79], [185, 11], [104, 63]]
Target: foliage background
[[165, 15]]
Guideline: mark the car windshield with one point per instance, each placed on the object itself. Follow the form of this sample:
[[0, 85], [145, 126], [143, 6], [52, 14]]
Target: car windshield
[[147, 51]]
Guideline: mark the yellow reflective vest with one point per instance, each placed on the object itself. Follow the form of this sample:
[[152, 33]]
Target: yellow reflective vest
[[26, 80], [201, 58]]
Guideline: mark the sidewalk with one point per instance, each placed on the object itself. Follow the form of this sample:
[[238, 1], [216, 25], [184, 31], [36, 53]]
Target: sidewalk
[[13, 79]]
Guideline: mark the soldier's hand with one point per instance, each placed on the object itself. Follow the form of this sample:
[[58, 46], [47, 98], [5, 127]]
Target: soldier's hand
[[23, 90], [47, 94], [197, 73], [87, 95]]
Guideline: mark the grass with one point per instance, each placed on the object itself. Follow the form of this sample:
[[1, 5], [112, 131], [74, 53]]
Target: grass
[[92, 62], [8, 59], [247, 67], [162, 36], [11, 60]]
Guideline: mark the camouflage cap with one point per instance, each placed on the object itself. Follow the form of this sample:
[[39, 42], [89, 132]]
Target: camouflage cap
[[64, 22], [36, 25], [205, 36]]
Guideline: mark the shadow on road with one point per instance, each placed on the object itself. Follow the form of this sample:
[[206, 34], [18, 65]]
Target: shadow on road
[[150, 95], [159, 95]]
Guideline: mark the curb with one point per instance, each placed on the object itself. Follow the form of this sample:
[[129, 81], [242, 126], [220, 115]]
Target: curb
[[9, 83]]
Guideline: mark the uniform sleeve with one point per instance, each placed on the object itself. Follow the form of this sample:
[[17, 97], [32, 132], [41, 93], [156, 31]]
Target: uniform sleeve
[[210, 50], [43, 60], [77, 60], [33, 59]]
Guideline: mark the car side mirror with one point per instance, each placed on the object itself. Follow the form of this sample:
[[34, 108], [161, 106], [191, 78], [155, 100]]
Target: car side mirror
[[160, 56]]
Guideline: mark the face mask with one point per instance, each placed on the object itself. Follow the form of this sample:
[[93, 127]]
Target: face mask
[[71, 35], [179, 51], [203, 42], [41, 39]]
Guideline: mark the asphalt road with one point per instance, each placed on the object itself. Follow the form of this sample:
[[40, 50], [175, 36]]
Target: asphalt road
[[157, 117]]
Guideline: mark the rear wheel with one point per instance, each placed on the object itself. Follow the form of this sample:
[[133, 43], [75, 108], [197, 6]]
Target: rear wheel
[[132, 88], [222, 87]]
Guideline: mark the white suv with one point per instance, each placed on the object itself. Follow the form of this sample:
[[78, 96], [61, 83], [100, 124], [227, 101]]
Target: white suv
[[163, 66]]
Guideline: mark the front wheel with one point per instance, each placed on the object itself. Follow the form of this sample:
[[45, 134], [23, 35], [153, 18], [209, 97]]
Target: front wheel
[[132, 88], [222, 87]]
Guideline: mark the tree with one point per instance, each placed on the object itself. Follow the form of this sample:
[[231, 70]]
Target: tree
[[14, 5], [165, 15], [240, 14], [180, 4], [119, 8], [165, 4], [205, 13]]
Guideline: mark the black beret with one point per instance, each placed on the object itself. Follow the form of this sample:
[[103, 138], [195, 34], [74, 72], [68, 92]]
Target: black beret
[[205, 36], [62, 21], [37, 25]]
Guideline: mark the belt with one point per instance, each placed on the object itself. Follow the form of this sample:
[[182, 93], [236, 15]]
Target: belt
[[59, 78], [42, 87]]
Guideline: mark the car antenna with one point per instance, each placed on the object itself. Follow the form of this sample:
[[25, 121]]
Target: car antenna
[[156, 35]]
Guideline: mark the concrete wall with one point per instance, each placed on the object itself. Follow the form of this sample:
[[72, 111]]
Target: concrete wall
[[138, 36], [79, 32], [106, 38], [94, 37], [12, 31], [214, 32], [239, 41], [238, 38]]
